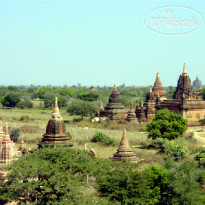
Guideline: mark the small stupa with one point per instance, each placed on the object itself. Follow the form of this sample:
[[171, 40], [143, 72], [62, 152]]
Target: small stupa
[[8, 150], [22, 146], [131, 117], [124, 151], [55, 130], [141, 114]]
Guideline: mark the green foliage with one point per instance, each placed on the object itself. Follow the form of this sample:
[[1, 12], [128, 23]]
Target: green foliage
[[200, 157], [49, 100], [166, 124], [11, 99], [65, 92], [25, 103], [82, 108], [101, 137], [203, 93], [88, 96], [58, 176], [173, 150], [41, 92], [15, 134], [98, 137], [50, 176], [13, 88], [185, 180]]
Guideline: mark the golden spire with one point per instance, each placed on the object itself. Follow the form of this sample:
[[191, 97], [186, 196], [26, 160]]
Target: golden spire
[[56, 109], [124, 144], [184, 70], [150, 89], [142, 104], [6, 136], [158, 74]]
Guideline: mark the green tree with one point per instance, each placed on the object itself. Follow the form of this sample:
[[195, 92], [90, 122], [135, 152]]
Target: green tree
[[25, 103], [166, 124], [66, 91], [11, 99], [82, 108], [50, 176], [88, 96], [41, 92]]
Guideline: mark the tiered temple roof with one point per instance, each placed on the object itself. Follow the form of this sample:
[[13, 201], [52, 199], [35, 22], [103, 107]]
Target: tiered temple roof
[[124, 151], [8, 150], [158, 88], [55, 130], [184, 87], [114, 109]]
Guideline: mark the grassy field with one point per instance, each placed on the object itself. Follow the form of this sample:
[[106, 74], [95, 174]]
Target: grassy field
[[33, 125]]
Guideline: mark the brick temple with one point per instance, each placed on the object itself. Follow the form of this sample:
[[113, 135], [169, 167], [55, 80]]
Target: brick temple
[[186, 102], [55, 130]]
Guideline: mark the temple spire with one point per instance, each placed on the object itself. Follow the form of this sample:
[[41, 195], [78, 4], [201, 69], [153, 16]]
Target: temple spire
[[6, 136], [56, 108], [184, 70], [150, 89]]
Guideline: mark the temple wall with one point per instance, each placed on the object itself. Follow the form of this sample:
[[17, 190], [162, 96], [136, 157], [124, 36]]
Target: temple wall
[[195, 115]]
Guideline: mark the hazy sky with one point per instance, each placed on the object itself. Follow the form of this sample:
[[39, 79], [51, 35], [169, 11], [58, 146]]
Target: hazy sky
[[93, 42]]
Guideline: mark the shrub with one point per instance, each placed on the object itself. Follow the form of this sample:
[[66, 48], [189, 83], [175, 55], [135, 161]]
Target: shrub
[[15, 134], [102, 138], [200, 157], [11, 99], [25, 104], [173, 150], [98, 137], [166, 124]]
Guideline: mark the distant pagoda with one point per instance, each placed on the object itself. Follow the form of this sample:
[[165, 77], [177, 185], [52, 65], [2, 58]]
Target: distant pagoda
[[8, 150], [55, 130], [114, 110], [124, 151], [197, 84]]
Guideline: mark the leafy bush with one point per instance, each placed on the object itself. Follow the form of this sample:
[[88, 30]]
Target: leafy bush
[[11, 99], [173, 150], [82, 108], [15, 134], [98, 137], [26, 103], [88, 96], [200, 157], [166, 124], [101, 137]]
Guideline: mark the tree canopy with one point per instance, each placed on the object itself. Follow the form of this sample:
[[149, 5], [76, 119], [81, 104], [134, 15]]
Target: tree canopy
[[166, 124]]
